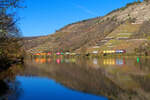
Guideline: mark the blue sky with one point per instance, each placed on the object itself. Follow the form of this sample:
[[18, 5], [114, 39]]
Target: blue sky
[[43, 17]]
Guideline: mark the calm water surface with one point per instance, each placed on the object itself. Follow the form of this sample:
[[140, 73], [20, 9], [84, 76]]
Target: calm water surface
[[78, 79]]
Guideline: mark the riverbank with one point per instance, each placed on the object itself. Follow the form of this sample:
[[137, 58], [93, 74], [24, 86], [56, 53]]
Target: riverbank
[[91, 56], [6, 63]]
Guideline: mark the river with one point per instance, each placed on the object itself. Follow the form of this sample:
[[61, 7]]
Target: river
[[77, 79]]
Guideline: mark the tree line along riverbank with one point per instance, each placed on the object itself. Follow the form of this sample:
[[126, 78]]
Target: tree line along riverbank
[[11, 51]]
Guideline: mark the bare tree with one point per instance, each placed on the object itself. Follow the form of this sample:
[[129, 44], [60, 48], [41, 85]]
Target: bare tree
[[9, 32], [9, 3]]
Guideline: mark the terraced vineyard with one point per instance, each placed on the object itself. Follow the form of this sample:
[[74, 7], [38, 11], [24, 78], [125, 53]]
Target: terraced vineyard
[[126, 28]]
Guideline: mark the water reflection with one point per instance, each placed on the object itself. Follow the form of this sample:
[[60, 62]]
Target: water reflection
[[114, 61], [9, 86], [47, 89], [57, 60], [114, 78], [95, 61]]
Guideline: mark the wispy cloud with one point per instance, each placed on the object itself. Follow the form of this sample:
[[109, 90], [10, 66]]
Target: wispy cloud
[[85, 9]]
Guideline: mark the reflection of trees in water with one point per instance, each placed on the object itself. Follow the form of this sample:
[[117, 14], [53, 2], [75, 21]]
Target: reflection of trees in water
[[9, 86], [3, 87], [83, 77], [14, 90], [10, 91]]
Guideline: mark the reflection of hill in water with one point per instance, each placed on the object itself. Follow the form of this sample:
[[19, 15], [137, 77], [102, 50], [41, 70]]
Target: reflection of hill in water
[[117, 82]]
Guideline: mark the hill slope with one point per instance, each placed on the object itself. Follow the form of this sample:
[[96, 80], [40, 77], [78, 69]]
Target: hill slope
[[125, 28]]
